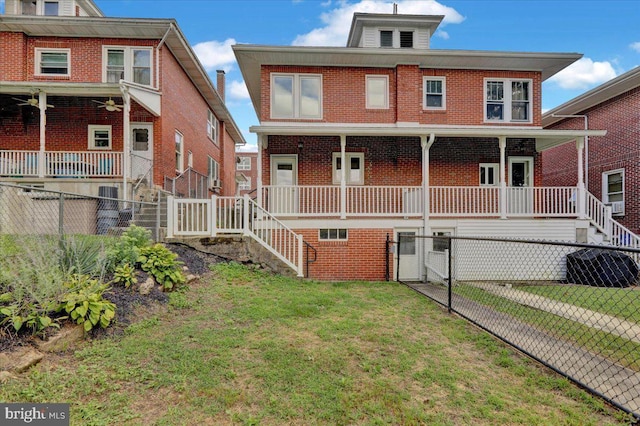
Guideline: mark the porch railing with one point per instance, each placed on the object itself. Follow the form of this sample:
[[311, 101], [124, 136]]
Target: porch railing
[[63, 164], [189, 184], [408, 201], [600, 216]]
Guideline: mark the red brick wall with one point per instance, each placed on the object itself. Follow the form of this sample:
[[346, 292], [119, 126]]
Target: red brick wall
[[397, 161], [344, 95], [13, 52], [619, 149], [361, 257]]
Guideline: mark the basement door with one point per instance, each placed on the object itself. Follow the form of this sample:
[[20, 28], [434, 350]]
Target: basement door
[[142, 151], [408, 250], [520, 185], [283, 195]]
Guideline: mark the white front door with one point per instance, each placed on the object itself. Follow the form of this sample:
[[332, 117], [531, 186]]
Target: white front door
[[408, 251], [142, 151], [520, 185], [284, 178]]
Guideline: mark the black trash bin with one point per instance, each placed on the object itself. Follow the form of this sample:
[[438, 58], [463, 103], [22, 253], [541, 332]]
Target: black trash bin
[[601, 268]]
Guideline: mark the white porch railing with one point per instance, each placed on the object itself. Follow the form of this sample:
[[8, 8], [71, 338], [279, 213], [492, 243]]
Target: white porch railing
[[408, 201], [235, 215], [61, 164]]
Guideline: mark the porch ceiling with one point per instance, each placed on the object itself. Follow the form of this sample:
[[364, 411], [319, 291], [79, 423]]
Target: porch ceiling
[[545, 139]]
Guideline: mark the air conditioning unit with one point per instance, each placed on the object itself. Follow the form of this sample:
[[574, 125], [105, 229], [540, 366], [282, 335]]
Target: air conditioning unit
[[215, 183], [617, 207]]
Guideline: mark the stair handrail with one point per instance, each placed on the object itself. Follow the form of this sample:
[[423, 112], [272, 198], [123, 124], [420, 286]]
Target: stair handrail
[[600, 216], [308, 247]]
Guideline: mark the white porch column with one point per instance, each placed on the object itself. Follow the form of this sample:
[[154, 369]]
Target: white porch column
[[126, 138], [426, 146], [343, 177], [261, 146], [42, 104], [581, 198], [502, 141]]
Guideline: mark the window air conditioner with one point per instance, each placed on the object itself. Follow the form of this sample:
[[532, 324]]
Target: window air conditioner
[[617, 207], [215, 183]]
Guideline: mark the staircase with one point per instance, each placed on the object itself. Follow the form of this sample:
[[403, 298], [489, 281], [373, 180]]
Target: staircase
[[146, 215]]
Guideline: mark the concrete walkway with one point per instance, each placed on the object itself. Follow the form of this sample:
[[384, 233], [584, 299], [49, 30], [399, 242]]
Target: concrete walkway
[[607, 323], [616, 383]]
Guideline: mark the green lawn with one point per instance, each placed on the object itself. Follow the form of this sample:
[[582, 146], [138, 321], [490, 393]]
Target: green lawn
[[246, 347]]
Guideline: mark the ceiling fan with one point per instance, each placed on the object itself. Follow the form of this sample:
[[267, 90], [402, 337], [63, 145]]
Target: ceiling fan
[[109, 105], [31, 102]]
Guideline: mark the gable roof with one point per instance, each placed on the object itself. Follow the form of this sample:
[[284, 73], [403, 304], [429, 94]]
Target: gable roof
[[614, 87], [166, 30]]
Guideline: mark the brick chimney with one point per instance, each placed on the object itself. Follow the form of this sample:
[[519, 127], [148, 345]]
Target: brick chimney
[[220, 83]]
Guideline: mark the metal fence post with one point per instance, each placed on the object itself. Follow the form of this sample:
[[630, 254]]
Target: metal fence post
[[61, 214], [398, 256], [450, 278]]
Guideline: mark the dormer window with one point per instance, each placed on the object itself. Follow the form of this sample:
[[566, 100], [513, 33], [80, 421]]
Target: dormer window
[[386, 38], [406, 39]]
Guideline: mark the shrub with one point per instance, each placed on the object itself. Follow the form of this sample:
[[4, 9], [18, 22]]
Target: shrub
[[85, 305], [163, 265], [127, 248]]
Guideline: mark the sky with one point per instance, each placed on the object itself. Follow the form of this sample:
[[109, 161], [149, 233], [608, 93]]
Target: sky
[[606, 32]]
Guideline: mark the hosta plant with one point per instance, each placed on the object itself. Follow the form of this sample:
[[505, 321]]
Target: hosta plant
[[84, 303], [163, 265], [125, 275]]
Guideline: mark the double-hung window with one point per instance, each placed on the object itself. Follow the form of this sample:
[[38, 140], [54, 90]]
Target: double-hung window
[[244, 163], [434, 93], [99, 136], [296, 96], [508, 100], [213, 172], [613, 190], [127, 63], [179, 151], [489, 174], [53, 62], [212, 126], [353, 170], [245, 185], [377, 88]]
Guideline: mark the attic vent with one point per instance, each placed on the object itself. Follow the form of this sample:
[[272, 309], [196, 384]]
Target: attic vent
[[386, 38], [406, 39]]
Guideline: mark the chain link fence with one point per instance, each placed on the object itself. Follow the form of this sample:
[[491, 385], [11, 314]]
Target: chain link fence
[[573, 307], [26, 210]]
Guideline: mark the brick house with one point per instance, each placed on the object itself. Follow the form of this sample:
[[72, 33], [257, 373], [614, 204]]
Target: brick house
[[247, 172], [612, 162], [88, 101], [351, 139]]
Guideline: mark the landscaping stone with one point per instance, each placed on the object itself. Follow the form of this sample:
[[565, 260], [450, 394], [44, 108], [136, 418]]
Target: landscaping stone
[[190, 278], [5, 376], [23, 359], [66, 338], [147, 286]]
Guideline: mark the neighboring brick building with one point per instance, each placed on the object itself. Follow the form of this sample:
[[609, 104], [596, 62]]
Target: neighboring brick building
[[124, 101], [352, 138], [247, 172], [613, 161]]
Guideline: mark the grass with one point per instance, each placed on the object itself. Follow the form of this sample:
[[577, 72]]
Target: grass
[[245, 347], [623, 303]]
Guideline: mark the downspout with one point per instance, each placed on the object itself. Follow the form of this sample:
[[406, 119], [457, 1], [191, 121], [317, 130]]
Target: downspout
[[158, 47]]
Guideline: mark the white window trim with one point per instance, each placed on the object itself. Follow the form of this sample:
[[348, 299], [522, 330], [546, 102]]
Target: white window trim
[[38, 61], [213, 171], [424, 93], [92, 141], [385, 78], [244, 163], [605, 191], [128, 62], [348, 156], [180, 167], [507, 100], [496, 173], [337, 234], [189, 159], [245, 185], [212, 126], [296, 95]]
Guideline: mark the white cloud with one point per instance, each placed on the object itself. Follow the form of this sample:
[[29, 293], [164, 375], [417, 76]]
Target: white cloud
[[635, 46], [247, 148], [216, 55], [584, 74], [337, 22], [237, 90]]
